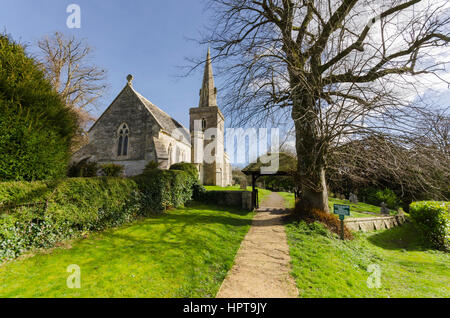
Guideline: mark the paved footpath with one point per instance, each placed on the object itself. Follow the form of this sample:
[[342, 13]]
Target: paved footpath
[[262, 265]]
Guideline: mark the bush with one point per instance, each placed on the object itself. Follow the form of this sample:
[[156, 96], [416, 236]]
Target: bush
[[152, 165], [187, 167], [313, 215], [163, 189], [198, 189], [36, 127], [377, 196], [71, 207], [83, 169], [432, 218], [112, 170]]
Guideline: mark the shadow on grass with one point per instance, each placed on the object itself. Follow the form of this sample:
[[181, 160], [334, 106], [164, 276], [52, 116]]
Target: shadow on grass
[[196, 205], [176, 234], [405, 237]]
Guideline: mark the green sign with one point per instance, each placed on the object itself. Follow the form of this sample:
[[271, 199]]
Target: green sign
[[342, 210]]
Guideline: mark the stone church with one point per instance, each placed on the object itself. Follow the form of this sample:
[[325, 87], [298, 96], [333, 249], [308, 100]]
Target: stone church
[[133, 132]]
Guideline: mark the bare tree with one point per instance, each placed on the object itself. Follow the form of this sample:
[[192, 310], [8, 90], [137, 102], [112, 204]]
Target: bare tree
[[414, 169], [80, 83], [340, 69], [435, 127]]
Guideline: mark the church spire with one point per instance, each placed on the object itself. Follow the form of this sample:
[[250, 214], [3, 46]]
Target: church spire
[[208, 93]]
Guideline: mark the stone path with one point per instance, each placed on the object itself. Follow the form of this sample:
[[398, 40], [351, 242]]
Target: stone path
[[261, 268]]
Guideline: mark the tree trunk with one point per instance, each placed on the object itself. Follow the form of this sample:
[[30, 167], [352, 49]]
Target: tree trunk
[[311, 151], [313, 198]]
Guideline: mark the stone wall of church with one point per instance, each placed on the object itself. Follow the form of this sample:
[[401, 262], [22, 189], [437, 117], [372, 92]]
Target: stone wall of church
[[104, 136], [213, 173], [178, 151]]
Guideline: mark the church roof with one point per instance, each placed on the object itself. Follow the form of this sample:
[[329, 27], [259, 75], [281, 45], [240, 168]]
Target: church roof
[[167, 123]]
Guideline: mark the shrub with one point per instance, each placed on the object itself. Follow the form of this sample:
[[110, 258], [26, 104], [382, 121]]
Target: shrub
[[83, 169], [188, 167], [112, 170], [198, 189], [327, 219], [432, 218], [36, 127], [74, 206], [164, 189], [152, 165], [377, 196]]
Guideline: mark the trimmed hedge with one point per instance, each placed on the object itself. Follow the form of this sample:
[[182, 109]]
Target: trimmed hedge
[[71, 207], [112, 170], [187, 167], [162, 189], [191, 169], [433, 219]]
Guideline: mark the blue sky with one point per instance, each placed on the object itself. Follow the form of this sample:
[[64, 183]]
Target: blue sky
[[147, 38]]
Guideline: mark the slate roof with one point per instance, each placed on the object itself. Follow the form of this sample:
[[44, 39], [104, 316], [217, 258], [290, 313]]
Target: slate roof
[[167, 123]]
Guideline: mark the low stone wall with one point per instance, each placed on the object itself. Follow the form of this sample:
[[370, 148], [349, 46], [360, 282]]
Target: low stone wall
[[241, 199], [374, 224]]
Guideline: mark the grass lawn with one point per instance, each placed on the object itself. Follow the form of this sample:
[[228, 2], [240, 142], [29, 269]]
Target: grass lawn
[[324, 266], [184, 253], [289, 198], [360, 207], [355, 209], [230, 188]]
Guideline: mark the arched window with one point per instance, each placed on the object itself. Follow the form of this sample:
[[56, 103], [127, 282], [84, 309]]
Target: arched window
[[122, 145]]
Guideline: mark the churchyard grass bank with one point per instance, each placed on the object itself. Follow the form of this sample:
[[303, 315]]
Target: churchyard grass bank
[[390, 263], [399, 262], [42, 214], [185, 252]]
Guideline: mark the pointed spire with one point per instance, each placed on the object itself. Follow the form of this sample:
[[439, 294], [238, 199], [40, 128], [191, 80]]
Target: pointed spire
[[208, 93]]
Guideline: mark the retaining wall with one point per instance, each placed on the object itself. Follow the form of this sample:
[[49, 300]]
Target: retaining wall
[[374, 224]]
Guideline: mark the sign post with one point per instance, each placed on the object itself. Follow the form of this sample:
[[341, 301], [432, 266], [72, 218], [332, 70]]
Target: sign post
[[342, 211]]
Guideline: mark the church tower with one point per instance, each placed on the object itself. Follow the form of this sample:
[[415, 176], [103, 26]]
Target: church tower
[[207, 132]]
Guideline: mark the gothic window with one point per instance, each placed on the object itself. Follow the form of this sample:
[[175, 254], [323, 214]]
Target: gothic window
[[122, 145]]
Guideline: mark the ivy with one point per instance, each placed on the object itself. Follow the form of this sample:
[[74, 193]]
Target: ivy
[[70, 207]]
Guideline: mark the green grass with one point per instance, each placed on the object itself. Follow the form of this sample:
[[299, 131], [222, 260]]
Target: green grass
[[289, 198], [262, 194], [355, 209], [184, 253], [230, 188], [324, 266]]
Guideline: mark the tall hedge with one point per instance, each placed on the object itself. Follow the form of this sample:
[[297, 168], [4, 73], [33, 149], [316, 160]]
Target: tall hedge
[[187, 167], [432, 218], [70, 207], [164, 189], [36, 127]]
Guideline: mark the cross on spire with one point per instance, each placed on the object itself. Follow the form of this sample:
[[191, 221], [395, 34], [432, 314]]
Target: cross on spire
[[208, 93]]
